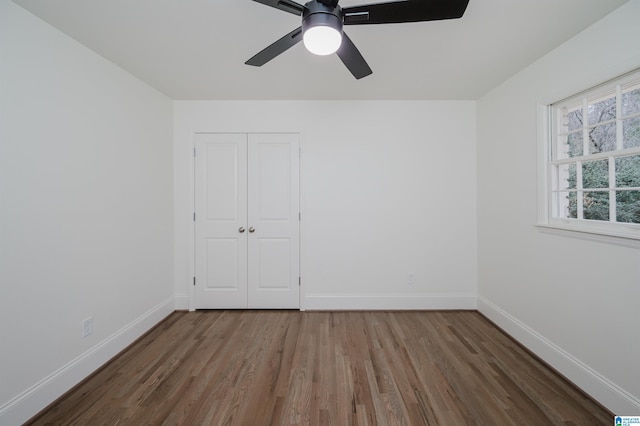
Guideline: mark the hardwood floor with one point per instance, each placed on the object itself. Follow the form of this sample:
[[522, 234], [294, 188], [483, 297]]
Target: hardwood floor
[[325, 368]]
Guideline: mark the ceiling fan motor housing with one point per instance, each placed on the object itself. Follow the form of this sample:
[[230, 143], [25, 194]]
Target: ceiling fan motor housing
[[318, 14]]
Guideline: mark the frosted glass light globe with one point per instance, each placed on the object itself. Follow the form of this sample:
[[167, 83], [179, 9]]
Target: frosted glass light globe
[[322, 40]]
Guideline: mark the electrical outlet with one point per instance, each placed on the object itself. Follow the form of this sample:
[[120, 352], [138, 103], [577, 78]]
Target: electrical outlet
[[87, 327], [411, 278]]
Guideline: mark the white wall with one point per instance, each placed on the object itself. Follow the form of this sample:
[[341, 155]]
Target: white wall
[[86, 215], [573, 302], [387, 188]]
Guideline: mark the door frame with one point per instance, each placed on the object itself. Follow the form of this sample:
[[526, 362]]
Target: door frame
[[192, 206]]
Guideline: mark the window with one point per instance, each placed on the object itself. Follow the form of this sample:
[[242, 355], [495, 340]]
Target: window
[[593, 164]]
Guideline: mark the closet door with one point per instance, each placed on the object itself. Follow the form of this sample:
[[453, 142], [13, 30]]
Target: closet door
[[274, 222], [247, 221], [221, 221]]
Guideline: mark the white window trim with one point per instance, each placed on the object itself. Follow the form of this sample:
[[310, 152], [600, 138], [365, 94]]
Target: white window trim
[[623, 234]]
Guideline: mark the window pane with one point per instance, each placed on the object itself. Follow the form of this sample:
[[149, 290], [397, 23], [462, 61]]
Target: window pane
[[602, 111], [570, 145], [596, 205], [574, 141], [628, 172], [628, 206], [566, 177], [566, 205], [602, 138], [631, 102], [595, 174], [631, 132], [575, 119]]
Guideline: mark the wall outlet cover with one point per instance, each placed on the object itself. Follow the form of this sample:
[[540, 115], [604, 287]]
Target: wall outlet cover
[[87, 327]]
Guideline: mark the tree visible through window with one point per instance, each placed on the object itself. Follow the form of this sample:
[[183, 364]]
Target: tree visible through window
[[595, 164]]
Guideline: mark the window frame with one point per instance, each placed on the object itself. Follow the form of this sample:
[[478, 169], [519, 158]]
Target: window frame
[[620, 233]]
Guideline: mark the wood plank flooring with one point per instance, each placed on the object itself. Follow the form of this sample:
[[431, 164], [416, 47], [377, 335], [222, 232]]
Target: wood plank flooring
[[325, 368]]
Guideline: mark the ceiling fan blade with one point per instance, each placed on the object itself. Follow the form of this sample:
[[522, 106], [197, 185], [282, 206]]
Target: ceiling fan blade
[[280, 46], [286, 5], [352, 58], [404, 11]]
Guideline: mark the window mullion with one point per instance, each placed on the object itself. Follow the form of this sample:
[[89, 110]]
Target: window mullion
[[613, 214], [612, 190], [619, 128], [585, 127], [585, 151], [580, 193]]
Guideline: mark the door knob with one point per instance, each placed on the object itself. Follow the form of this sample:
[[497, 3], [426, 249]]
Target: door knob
[[252, 229], [241, 230]]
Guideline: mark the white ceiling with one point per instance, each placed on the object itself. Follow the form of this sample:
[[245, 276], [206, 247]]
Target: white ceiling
[[196, 49]]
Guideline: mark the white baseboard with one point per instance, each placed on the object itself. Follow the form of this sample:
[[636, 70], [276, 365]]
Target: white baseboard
[[27, 404], [604, 391], [182, 302], [345, 302]]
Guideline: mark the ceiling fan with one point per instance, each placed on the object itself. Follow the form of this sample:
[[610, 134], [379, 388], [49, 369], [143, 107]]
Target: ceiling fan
[[322, 22]]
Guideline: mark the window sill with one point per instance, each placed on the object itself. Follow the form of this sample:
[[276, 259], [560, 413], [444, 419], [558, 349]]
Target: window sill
[[630, 238]]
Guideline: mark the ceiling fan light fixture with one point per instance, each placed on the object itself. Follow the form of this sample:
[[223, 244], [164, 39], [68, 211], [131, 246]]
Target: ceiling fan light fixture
[[322, 40], [322, 28]]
